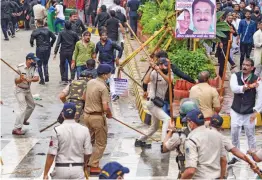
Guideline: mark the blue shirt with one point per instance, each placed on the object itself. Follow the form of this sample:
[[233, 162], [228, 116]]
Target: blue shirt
[[246, 31], [133, 7], [106, 51]]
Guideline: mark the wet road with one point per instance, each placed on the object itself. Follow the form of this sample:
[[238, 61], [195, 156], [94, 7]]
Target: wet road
[[24, 156]]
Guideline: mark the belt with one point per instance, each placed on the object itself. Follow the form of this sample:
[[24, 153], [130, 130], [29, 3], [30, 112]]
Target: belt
[[207, 119], [96, 113], [23, 88], [68, 164], [76, 99]]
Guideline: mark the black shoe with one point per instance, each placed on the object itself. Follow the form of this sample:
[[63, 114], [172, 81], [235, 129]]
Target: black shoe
[[12, 36], [6, 39], [42, 82], [233, 161], [47, 79], [139, 143], [9, 33]]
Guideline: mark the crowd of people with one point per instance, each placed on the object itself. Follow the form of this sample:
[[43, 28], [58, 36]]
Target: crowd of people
[[86, 97]]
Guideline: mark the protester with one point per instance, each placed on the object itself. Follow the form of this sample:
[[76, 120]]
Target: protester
[[77, 25], [43, 49], [60, 17], [132, 7], [105, 47], [246, 30], [239, 9], [84, 50], [247, 103], [23, 93], [235, 23], [257, 38], [112, 25], [113, 170], [68, 39], [70, 147], [5, 17], [256, 16], [101, 18], [222, 48], [90, 11]]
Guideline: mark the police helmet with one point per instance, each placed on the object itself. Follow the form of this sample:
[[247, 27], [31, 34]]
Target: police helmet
[[187, 105]]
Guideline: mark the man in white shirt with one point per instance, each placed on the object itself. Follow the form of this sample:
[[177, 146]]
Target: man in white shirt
[[257, 37], [247, 103], [235, 22], [60, 17], [70, 147]]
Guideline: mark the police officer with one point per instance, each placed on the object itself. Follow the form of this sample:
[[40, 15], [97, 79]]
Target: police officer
[[113, 170], [74, 91], [203, 149], [28, 74], [216, 122], [175, 139], [96, 107], [70, 146], [43, 48], [158, 78]]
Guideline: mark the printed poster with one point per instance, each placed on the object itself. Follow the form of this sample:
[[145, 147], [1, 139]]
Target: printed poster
[[197, 19]]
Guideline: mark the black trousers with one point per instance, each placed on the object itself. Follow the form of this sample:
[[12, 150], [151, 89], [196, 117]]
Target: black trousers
[[4, 26], [245, 50], [63, 57], [12, 24], [133, 23], [221, 59], [27, 23], [43, 55]]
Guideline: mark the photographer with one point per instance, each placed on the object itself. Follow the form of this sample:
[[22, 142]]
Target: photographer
[[175, 138]]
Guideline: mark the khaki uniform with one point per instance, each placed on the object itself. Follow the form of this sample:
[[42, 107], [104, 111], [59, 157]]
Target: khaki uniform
[[74, 93], [94, 117], [203, 150], [39, 12], [207, 97], [69, 143], [227, 143], [23, 95]]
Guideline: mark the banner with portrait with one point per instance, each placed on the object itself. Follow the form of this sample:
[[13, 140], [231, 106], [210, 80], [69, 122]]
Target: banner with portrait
[[196, 19]]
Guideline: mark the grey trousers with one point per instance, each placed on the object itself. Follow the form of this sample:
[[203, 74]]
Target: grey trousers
[[26, 106], [73, 172]]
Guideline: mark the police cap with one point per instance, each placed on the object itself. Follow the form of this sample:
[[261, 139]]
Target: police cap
[[216, 121], [195, 116], [104, 69]]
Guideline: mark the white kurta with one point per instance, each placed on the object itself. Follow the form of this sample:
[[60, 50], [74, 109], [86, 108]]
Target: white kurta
[[239, 120], [257, 37]]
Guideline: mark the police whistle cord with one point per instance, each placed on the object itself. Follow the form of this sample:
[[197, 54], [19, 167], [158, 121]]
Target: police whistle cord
[[134, 129], [48, 126], [9, 66]]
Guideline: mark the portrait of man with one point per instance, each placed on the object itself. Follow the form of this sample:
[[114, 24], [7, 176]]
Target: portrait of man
[[203, 12], [184, 20]]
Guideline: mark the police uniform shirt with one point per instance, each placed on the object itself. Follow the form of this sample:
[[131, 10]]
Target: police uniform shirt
[[175, 141], [70, 142], [227, 143], [29, 73], [203, 150], [97, 94], [162, 85], [207, 97]]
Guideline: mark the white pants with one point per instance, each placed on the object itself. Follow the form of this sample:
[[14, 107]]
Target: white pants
[[157, 114], [73, 172], [26, 106], [237, 121]]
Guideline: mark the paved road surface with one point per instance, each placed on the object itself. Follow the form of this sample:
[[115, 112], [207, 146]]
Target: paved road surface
[[24, 156]]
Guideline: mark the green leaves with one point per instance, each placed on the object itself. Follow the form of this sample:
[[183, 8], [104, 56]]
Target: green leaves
[[219, 15]]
